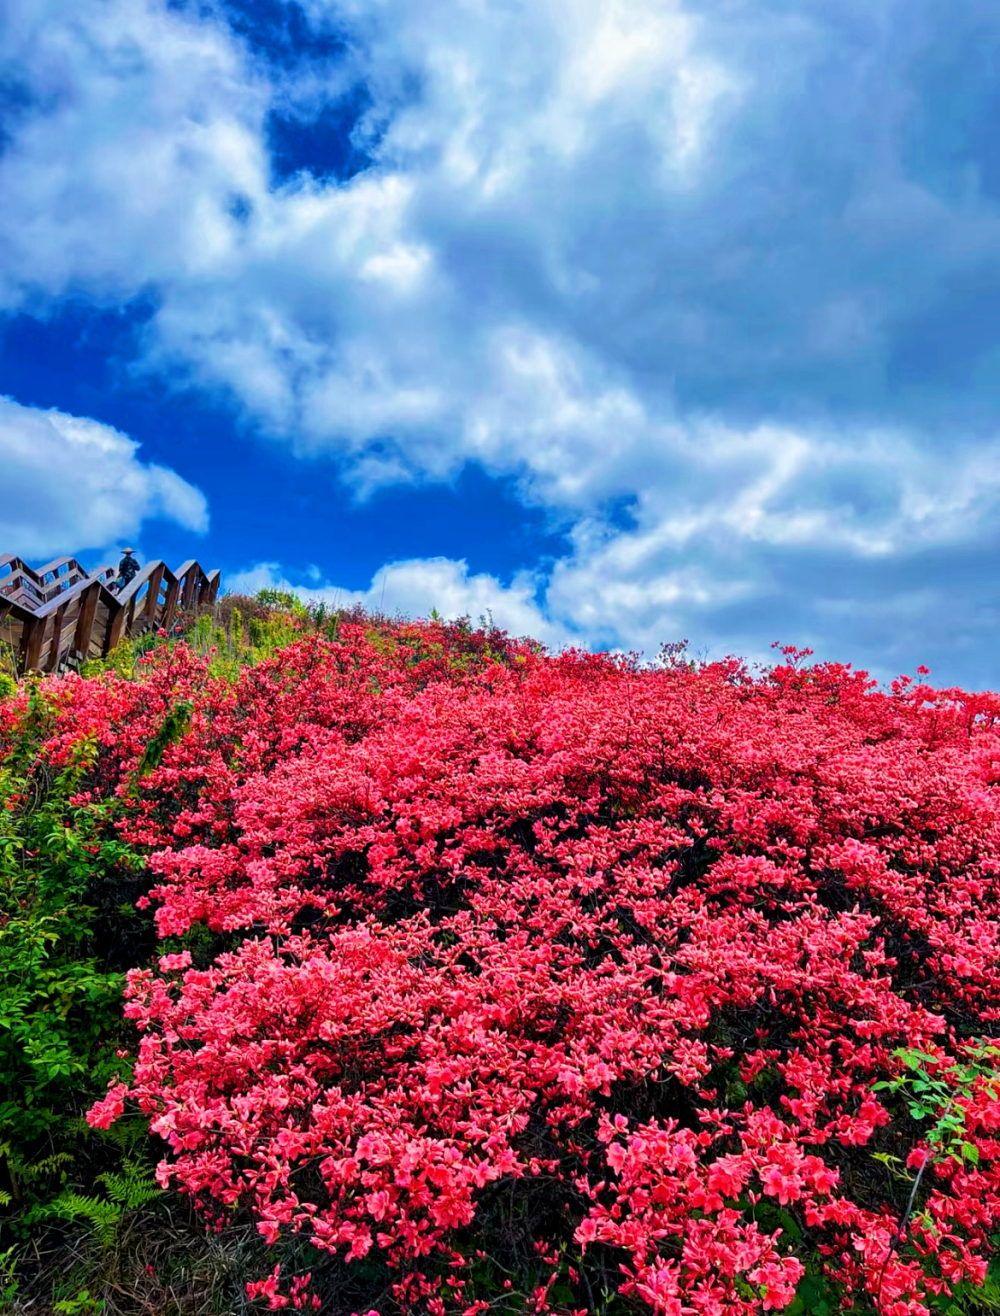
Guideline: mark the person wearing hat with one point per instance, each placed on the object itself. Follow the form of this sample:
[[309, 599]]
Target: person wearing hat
[[128, 568]]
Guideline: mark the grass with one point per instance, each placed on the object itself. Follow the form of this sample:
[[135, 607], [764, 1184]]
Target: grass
[[160, 1262]]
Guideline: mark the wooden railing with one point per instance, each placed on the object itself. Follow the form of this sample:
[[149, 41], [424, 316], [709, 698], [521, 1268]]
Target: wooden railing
[[57, 616]]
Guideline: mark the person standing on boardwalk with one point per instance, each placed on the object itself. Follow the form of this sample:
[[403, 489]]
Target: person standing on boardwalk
[[128, 569]]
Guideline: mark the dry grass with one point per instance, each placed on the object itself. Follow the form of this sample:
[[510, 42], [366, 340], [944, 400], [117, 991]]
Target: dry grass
[[161, 1263]]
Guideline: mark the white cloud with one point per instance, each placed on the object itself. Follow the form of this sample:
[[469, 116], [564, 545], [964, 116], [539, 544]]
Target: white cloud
[[477, 295], [72, 484], [336, 314], [142, 129], [646, 254]]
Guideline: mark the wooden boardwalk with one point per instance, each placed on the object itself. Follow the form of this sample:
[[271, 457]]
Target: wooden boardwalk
[[55, 617]]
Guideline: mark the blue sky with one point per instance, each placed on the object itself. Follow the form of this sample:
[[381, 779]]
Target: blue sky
[[627, 321]]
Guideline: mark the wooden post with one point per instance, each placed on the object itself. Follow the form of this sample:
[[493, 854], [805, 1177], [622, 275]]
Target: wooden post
[[13, 627], [102, 621], [57, 625], [153, 597], [113, 633], [170, 605], [31, 644], [85, 624], [190, 586]]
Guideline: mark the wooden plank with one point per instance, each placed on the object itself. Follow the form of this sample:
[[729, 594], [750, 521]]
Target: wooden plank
[[88, 611], [11, 629], [191, 582], [70, 652], [129, 610], [56, 576], [70, 619], [170, 604], [81, 586], [153, 598], [115, 626], [18, 566], [32, 638], [95, 641], [22, 589], [52, 656]]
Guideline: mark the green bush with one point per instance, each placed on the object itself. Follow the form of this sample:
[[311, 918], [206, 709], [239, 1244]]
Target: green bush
[[68, 930]]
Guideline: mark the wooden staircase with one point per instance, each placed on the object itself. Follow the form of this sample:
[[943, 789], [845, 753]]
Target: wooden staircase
[[55, 617]]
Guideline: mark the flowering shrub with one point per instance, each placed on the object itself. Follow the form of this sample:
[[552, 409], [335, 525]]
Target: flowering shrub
[[504, 980]]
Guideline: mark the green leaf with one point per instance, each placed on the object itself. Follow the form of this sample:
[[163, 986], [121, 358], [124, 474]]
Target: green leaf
[[813, 1297]]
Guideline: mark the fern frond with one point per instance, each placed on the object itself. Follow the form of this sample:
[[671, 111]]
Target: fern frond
[[127, 1133], [104, 1216], [134, 1187], [38, 1169]]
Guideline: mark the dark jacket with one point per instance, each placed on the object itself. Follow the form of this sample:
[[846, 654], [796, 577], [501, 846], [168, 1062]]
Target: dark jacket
[[128, 568]]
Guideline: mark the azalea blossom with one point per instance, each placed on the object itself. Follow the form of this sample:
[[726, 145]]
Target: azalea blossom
[[634, 946]]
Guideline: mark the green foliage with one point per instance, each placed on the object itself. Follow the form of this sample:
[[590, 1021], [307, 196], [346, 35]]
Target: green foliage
[[932, 1090], [81, 1304], [8, 685], [200, 635], [126, 1190], [121, 660], [282, 600], [933, 1094], [174, 725], [62, 874], [814, 1297], [245, 646], [247, 640], [268, 636], [9, 1284]]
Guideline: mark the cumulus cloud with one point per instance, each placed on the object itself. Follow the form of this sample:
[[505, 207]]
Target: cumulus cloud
[[712, 281], [582, 222], [138, 131], [72, 484]]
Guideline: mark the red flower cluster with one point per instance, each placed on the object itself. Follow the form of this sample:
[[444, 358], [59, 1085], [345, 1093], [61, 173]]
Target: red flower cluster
[[629, 947]]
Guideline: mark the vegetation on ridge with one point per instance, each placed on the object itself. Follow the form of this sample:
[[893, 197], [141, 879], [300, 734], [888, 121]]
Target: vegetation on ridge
[[461, 977]]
